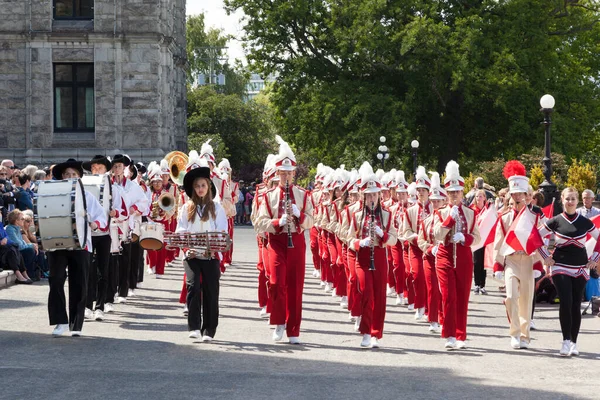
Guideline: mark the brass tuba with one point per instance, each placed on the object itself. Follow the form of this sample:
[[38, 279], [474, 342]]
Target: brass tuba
[[177, 162]]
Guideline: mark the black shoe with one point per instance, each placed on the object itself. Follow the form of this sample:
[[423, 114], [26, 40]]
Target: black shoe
[[26, 282]]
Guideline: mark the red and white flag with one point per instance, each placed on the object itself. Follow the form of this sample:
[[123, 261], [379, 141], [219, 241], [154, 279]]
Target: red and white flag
[[549, 209], [523, 234], [590, 243], [486, 223]]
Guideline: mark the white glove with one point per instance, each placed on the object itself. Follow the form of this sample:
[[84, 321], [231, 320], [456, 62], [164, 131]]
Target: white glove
[[283, 220], [536, 274], [435, 250], [295, 211], [454, 212], [458, 237], [366, 242], [498, 275], [379, 231]]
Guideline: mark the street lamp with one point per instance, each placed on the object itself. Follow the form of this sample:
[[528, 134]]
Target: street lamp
[[415, 146], [547, 187], [383, 153]]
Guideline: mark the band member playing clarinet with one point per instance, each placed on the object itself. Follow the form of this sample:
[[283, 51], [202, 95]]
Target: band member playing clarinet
[[283, 216], [454, 227], [201, 214]]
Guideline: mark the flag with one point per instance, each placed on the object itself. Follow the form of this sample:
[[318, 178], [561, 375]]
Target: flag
[[590, 243], [549, 209], [523, 234], [486, 223]]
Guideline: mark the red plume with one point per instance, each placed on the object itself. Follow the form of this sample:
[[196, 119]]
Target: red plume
[[512, 168]]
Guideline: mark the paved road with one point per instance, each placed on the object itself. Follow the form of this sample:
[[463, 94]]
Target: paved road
[[142, 351]]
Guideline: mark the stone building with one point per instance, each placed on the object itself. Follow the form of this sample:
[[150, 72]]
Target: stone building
[[85, 77]]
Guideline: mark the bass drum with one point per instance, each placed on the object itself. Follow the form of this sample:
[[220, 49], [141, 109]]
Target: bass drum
[[60, 215], [101, 188], [151, 236]]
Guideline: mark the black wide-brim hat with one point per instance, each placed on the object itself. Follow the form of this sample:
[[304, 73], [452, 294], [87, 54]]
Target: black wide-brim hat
[[133, 172], [121, 158], [98, 159], [190, 177], [141, 168], [58, 169]]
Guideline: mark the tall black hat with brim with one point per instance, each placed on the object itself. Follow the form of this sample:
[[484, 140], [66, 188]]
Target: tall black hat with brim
[[141, 168], [190, 177], [133, 172], [58, 169], [98, 159], [121, 158]]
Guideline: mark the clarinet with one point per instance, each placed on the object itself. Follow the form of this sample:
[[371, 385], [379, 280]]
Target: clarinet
[[457, 228], [372, 236], [288, 210]]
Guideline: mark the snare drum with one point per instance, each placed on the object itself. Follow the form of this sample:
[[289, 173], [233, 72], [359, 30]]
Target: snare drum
[[101, 188], [151, 236], [60, 215]]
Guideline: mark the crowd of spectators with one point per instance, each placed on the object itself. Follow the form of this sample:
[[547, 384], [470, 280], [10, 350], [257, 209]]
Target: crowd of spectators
[[243, 207]]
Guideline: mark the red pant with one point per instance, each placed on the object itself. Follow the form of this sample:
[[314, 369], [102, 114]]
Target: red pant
[[434, 297], [286, 281], [455, 285], [398, 267], [262, 277], [314, 247], [418, 277], [228, 257], [170, 226], [333, 258], [372, 286], [326, 274], [409, 292], [391, 278], [341, 288], [354, 295], [157, 258]]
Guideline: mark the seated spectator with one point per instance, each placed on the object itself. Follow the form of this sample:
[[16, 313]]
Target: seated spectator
[[15, 234], [11, 258], [24, 196], [29, 237]]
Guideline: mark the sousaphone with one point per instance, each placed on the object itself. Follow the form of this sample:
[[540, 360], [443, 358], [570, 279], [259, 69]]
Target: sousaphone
[[177, 161]]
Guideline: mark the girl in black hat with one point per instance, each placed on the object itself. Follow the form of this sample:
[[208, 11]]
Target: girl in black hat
[[201, 214]]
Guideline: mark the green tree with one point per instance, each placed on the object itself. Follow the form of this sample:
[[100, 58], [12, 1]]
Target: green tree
[[464, 78], [581, 176]]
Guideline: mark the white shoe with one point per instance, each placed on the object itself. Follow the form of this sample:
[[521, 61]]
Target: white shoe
[[294, 340], [411, 307], [194, 334], [263, 313], [565, 350], [366, 340], [524, 344], [88, 314], [460, 344], [420, 314], [344, 302], [207, 338], [130, 293], [227, 265], [157, 276], [334, 292], [327, 287], [278, 332], [404, 300], [119, 300], [434, 327], [451, 343], [185, 309], [99, 315], [140, 285], [316, 273], [573, 350], [357, 324], [390, 290], [399, 299], [60, 329], [321, 283], [532, 326], [76, 333], [168, 264], [374, 343], [515, 343], [151, 271], [108, 307], [351, 317]]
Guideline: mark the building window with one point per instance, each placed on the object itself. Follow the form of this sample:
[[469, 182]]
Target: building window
[[73, 9], [74, 98]]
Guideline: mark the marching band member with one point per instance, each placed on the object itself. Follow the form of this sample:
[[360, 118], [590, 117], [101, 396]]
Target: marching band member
[[455, 229], [400, 249], [412, 223], [142, 170], [388, 186], [338, 202], [101, 242], [225, 168], [135, 223], [157, 258], [201, 214], [314, 231], [429, 247], [284, 215], [370, 231], [171, 222], [327, 267], [78, 262]]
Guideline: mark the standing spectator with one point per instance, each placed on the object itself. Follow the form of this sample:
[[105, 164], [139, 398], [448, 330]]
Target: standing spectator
[[248, 205], [24, 196], [15, 234], [588, 210], [239, 207]]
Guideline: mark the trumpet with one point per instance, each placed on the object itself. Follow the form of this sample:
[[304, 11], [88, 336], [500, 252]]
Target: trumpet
[[204, 243]]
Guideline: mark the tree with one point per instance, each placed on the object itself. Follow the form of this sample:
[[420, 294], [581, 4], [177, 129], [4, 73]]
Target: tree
[[581, 176], [463, 77]]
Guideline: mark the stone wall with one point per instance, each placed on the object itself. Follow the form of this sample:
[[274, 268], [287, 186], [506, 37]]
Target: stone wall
[[138, 51]]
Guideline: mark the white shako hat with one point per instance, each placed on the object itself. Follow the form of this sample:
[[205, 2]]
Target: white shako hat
[[340, 178], [206, 152], [385, 181], [401, 181], [154, 172], [453, 179], [393, 183], [515, 172], [327, 181], [437, 192], [368, 180], [412, 193], [319, 174], [225, 166], [195, 161], [164, 167], [285, 160], [268, 168], [421, 178], [379, 173], [352, 178]]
